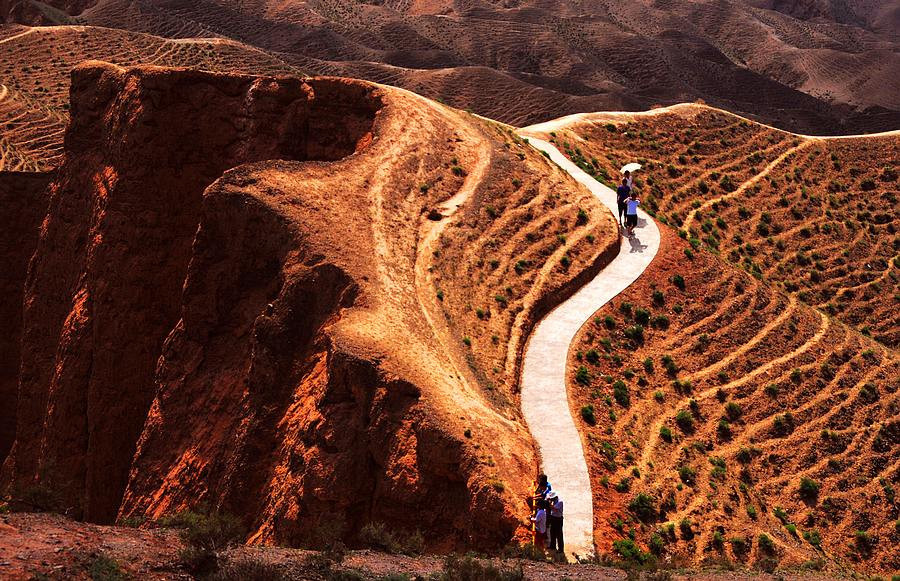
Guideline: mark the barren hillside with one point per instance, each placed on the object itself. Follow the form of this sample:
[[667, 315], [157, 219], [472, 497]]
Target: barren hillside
[[269, 307], [816, 67]]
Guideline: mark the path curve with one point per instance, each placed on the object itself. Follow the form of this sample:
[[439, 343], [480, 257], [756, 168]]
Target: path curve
[[545, 402]]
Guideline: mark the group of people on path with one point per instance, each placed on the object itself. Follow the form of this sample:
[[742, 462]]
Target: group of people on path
[[627, 202], [547, 518]]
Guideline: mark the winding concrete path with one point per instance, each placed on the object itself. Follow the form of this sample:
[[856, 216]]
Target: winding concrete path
[[545, 402]]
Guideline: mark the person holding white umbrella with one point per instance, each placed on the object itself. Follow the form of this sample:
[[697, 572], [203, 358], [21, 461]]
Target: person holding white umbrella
[[628, 171]]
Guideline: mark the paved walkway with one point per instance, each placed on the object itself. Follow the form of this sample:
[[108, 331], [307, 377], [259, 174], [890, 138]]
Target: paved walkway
[[545, 402]]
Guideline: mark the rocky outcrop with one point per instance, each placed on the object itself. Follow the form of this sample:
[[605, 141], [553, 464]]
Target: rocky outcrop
[[104, 289], [23, 202], [255, 342], [46, 12]]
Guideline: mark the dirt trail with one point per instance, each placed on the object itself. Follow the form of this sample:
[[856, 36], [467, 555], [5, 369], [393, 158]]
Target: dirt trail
[[545, 403]]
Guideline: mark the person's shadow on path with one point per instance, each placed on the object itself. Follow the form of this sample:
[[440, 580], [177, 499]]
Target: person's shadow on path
[[635, 243]]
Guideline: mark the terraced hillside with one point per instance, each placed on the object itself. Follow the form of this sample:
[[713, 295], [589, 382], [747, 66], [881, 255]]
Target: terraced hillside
[[526, 61], [36, 64], [816, 218], [724, 419]]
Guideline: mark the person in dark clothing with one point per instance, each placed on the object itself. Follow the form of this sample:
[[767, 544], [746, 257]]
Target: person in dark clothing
[[555, 523], [622, 194]]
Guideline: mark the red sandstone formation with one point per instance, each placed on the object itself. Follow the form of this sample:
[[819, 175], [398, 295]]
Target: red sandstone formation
[[23, 200]]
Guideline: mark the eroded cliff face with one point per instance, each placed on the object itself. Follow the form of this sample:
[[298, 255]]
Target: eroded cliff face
[[256, 341], [23, 204], [104, 288]]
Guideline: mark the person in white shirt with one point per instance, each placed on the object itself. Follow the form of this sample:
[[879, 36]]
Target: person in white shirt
[[555, 523], [629, 179], [540, 525]]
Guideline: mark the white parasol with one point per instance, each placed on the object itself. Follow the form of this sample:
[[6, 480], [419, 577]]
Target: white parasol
[[630, 167]]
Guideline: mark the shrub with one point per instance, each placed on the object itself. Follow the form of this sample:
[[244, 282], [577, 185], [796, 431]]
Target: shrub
[[733, 411], [740, 545], [643, 506], [686, 529], [809, 488], [659, 299], [865, 542], [766, 545], [620, 393], [688, 475], [624, 485], [587, 412], [377, 535], [678, 281], [648, 366], [582, 376], [625, 308], [669, 365], [457, 171], [642, 316], [658, 396], [467, 341], [609, 322], [813, 538], [657, 544], [635, 333], [665, 433], [751, 511], [104, 568], [772, 390], [582, 218], [206, 530], [660, 322], [783, 424], [724, 430], [631, 552], [685, 421], [592, 356], [468, 568]]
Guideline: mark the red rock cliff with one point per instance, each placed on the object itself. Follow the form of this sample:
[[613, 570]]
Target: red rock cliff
[[257, 344]]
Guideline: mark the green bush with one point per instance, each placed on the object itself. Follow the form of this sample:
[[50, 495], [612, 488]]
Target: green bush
[[468, 568], [207, 530], [658, 396], [688, 475], [686, 529], [813, 538], [865, 542], [609, 322], [592, 356], [809, 488], [620, 393], [751, 511], [665, 433], [643, 506], [587, 413], [657, 544], [685, 421], [635, 333], [733, 411], [104, 568], [766, 545], [648, 366], [678, 281], [582, 376], [376, 535], [724, 430], [631, 552], [642, 316]]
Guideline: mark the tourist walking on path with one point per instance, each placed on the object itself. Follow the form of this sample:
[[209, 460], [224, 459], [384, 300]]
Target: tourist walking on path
[[555, 523], [622, 193], [631, 206]]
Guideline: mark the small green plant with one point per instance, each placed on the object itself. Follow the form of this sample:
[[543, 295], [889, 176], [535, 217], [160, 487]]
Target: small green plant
[[583, 376], [620, 393], [665, 433], [624, 485], [688, 475], [724, 430], [642, 316], [659, 299], [587, 413], [658, 396], [733, 411], [766, 544], [740, 545], [609, 322], [751, 511], [772, 390], [648, 366], [678, 281], [813, 538], [631, 552], [592, 356], [865, 542], [809, 488], [685, 421], [467, 341], [103, 568], [205, 529], [643, 506], [686, 528], [457, 170], [635, 333], [582, 218]]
